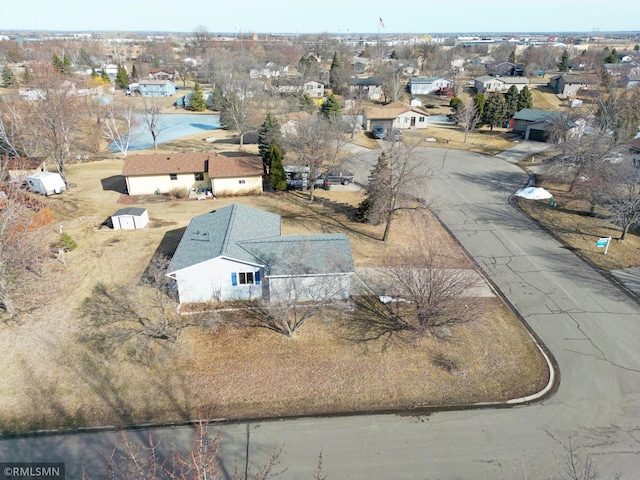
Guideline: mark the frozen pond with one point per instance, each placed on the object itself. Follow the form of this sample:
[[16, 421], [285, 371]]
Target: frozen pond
[[440, 119], [171, 126]]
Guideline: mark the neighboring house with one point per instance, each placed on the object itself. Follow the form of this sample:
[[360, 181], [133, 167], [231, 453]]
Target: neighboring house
[[186, 100], [369, 88], [489, 84], [534, 124], [160, 74], [156, 88], [634, 149], [17, 169], [394, 115], [568, 85], [483, 61], [295, 87], [415, 102], [239, 253], [504, 69], [428, 85], [360, 64], [192, 172]]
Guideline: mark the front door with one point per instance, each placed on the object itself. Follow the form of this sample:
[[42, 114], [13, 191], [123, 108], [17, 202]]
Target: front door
[[413, 121]]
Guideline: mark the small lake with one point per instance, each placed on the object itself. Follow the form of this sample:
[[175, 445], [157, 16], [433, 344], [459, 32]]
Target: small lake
[[172, 127]]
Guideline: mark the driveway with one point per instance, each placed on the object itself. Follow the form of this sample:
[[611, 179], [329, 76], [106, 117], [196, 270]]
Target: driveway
[[522, 150], [589, 326]]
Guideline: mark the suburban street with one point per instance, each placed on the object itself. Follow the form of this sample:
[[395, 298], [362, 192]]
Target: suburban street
[[589, 326]]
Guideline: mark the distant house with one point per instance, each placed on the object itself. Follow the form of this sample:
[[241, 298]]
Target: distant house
[[369, 88], [360, 64], [161, 74], [147, 174], [156, 88], [534, 124], [17, 169], [568, 85], [483, 61], [634, 149], [504, 69], [395, 115], [295, 87], [239, 253], [489, 84], [428, 85]]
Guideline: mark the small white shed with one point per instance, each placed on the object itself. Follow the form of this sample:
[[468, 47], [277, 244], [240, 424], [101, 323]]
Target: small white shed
[[130, 218]]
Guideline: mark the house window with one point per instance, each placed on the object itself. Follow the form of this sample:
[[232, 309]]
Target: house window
[[421, 119], [198, 177], [173, 176], [242, 182]]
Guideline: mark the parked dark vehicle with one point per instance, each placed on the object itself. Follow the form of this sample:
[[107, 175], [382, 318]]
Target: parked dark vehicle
[[378, 132], [344, 178]]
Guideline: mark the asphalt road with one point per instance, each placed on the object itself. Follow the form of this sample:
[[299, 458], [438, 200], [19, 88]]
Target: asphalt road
[[591, 328]]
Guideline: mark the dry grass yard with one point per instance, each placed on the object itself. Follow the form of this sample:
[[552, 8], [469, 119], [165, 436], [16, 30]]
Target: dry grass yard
[[52, 379]]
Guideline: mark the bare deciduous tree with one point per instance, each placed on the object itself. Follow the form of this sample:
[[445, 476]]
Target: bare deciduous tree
[[117, 125], [467, 117], [151, 109], [418, 289], [22, 248], [140, 317]]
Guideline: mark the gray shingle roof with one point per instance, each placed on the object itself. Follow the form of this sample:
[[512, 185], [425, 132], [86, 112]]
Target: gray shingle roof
[[302, 254], [135, 211], [216, 234], [535, 115]]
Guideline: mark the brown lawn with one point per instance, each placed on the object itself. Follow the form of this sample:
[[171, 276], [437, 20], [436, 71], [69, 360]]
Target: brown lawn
[[51, 379]]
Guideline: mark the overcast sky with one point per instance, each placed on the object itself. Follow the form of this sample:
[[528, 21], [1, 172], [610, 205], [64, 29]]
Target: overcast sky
[[335, 16]]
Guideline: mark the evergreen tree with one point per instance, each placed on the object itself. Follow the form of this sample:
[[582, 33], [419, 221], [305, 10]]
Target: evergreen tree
[[269, 135], [104, 78], [308, 104], [57, 63], [375, 208], [337, 76], [636, 47], [331, 107], [122, 78], [216, 100], [277, 177], [456, 103], [196, 100], [480, 100], [8, 77], [512, 57], [612, 57], [27, 76], [495, 110], [134, 73], [66, 65], [525, 99], [564, 61], [511, 100], [94, 74]]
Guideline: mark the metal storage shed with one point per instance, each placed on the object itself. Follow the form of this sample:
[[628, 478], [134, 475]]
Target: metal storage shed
[[130, 218]]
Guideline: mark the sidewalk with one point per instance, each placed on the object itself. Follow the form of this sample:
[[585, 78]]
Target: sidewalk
[[523, 151]]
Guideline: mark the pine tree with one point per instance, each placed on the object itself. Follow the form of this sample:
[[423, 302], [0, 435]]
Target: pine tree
[[334, 75], [495, 110], [511, 100], [122, 78], [456, 103], [134, 73], [216, 100], [104, 78], [8, 77], [480, 100], [57, 63], [307, 104], [564, 61], [375, 208], [269, 135], [66, 65], [277, 177], [612, 57], [331, 107], [27, 76], [512, 57], [196, 100], [525, 99]]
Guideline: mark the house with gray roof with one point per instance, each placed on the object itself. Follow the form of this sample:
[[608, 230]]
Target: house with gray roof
[[428, 85], [239, 253], [534, 124]]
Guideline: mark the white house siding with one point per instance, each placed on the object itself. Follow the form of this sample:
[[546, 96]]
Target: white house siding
[[404, 121], [212, 281], [149, 184], [307, 288], [427, 88], [236, 185]]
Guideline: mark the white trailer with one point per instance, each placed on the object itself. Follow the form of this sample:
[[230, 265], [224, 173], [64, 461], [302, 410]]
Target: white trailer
[[46, 183]]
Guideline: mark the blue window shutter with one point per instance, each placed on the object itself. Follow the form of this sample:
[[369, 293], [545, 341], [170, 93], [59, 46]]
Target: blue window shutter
[[257, 277], [234, 279]]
